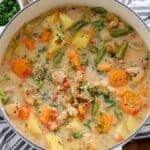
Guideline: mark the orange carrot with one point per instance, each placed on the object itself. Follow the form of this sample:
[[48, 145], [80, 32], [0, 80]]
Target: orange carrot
[[105, 67], [118, 78], [104, 122], [82, 110], [21, 67], [131, 103], [29, 43], [45, 36], [46, 115], [23, 112], [75, 59]]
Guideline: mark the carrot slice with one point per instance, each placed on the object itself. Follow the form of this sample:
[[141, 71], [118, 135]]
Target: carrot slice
[[82, 110], [104, 123], [131, 103], [29, 43], [23, 112], [105, 67], [46, 115], [118, 78], [45, 36], [75, 60], [21, 67]]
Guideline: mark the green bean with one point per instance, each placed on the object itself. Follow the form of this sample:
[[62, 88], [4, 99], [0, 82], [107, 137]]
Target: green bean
[[80, 24], [122, 50], [3, 97], [59, 56], [98, 25], [120, 32], [95, 108], [93, 48], [77, 135], [85, 61], [99, 10], [100, 54]]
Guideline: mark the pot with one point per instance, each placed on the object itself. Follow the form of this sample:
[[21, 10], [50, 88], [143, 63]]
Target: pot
[[34, 9]]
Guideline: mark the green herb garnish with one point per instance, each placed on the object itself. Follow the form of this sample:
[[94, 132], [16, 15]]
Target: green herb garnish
[[98, 25], [99, 10], [8, 8], [95, 108], [77, 135], [85, 62], [80, 24], [93, 92], [3, 97], [42, 50], [58, 57], [93, 48], [88, 124]]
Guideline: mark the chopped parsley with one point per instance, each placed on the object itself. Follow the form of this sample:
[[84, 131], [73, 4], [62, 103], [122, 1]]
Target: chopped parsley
[[3, 97], [118, 113], [112, 103], [58, 57], [40, 75], [92, 48], [93, 92], [42, 50], [95, 108], [45, 94], [98, 25], [59, 37], [80, 24], [77, 135], [81, 88], [88, 124], [85, 61], [109, 99]]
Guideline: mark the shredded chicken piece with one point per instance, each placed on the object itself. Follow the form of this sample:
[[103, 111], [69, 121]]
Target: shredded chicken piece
[[137, 73], [58, 76]]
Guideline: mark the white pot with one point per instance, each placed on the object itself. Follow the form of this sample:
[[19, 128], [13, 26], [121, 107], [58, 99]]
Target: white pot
[[40, 6]]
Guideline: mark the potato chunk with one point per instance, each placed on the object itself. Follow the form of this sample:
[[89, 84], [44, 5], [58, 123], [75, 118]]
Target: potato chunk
[[54, 142], [105, 35], [75, 125], [51, 21], [122, 129], [132, 123], [59, 40], [81, 39], [66, 21], [33, 126]]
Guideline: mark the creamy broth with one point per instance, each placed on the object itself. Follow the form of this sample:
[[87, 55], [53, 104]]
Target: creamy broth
[[76, 78]]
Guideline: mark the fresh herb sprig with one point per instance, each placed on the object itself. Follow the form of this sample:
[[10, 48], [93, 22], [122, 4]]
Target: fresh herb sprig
[[8, 8]]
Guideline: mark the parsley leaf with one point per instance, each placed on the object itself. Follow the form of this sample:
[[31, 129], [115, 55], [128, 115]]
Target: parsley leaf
[[77, 135]]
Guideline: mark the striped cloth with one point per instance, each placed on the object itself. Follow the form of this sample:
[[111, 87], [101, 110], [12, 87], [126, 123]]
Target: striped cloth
[[9, 140]]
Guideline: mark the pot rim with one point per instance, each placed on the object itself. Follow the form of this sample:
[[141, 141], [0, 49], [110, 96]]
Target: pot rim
[[120, 144]]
